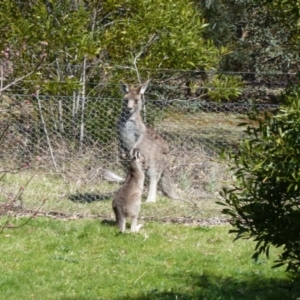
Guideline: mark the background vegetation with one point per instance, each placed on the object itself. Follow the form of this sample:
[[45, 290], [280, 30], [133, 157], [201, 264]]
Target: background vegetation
[[264, 202], [61, 63]]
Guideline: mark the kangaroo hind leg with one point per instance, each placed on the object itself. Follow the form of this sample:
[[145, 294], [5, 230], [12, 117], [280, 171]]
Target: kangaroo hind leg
[[134, 226], [120, 219], [153, 180]]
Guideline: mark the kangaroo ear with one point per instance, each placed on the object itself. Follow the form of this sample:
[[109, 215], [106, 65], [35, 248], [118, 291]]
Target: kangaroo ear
[[144, 86], [124, 87], [136, 153]]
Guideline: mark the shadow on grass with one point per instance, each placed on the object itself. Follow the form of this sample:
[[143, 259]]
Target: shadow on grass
[[209, 287], [212, 288], [109, 222], [90, 197]]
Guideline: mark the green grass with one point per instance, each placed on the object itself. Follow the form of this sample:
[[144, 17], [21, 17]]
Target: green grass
[[85, 259], [88, 259]]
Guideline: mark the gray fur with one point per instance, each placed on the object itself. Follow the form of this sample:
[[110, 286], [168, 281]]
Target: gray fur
[[134, 133]]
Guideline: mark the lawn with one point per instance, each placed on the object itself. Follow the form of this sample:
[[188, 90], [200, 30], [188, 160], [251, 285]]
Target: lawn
[[87, 259], [81, 256]]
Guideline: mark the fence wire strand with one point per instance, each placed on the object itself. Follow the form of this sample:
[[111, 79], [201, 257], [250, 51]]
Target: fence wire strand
[[75, 135]]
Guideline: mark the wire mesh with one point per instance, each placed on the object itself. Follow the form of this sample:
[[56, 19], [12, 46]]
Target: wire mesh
[[66, 141]]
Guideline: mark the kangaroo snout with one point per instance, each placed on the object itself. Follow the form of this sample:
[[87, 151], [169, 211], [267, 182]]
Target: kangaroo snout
[[130, 110], [131, 106]]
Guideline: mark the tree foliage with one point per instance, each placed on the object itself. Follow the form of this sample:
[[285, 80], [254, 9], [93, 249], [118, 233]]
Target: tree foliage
[[147, 34], [287, 12], [163, 34], [87, 44], [264, 202], [262, 37]]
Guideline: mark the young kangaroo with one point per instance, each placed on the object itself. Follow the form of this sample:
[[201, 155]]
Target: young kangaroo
[[134, 133], [127, 201]]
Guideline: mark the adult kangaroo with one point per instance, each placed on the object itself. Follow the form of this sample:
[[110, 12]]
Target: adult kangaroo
[[133, 133], [127, 202]]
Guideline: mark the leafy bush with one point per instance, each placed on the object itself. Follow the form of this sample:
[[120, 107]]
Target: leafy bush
[[264, 202], [86, 45], [224, 87], [291, 93], [162, 34]]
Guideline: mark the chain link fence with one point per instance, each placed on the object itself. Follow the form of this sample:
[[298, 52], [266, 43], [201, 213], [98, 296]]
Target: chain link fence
[[73, 138]]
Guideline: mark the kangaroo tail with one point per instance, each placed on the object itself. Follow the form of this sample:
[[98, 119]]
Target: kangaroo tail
[[111, 176], [166, 185]]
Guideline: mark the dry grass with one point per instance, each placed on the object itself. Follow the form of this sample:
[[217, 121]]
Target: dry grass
[[92, 200], [196, 141], [78, 187]]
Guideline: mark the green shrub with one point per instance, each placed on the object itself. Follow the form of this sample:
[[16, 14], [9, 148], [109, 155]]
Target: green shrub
[[264, 201], [291, 93], [225, 87]]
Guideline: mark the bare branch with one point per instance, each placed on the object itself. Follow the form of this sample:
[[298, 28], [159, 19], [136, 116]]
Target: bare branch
[[21, 78], [83, 97], [10, 205], [139, 55], [7, 225]]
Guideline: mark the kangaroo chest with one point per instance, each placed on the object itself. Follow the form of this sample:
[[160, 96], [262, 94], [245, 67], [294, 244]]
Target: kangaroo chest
[[136, 181], [129, 132]]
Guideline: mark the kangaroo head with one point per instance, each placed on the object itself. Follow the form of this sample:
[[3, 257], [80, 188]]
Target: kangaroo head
[[138, 160], [133, 96]]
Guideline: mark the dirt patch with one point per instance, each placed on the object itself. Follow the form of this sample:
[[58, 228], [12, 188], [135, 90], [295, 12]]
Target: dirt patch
[[212, 221]]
